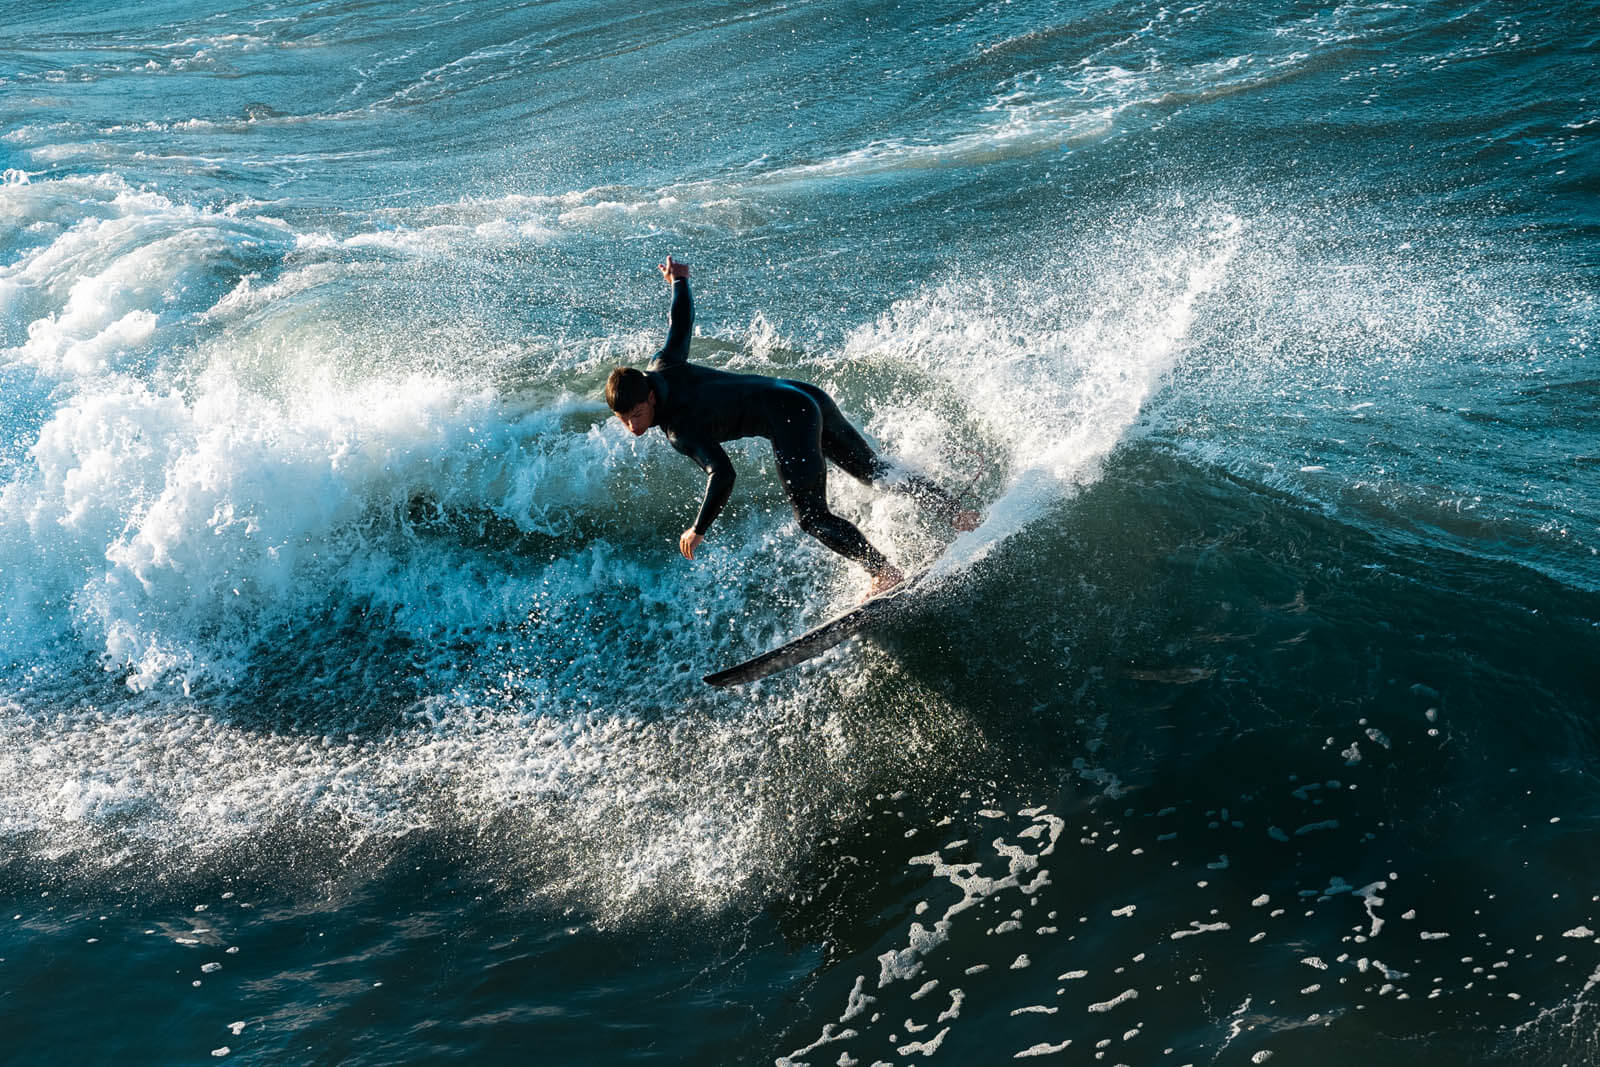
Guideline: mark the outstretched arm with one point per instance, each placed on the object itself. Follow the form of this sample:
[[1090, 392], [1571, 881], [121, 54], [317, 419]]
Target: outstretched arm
[[680, 320]]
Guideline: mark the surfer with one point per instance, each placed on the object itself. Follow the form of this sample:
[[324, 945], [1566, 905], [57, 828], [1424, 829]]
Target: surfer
[[699, 408]]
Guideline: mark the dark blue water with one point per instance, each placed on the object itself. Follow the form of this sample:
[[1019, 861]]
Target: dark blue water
[[349, 676]]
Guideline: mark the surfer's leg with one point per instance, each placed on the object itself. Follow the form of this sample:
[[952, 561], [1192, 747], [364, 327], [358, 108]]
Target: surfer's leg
[[842, 443], [845, 446], [797, 446], [794, 423], [810, 501]]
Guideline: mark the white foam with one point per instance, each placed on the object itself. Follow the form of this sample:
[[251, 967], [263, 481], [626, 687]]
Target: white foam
[[177, 526], [1121, 998], [118, 263], [1196, 927], [1044, 1048], [977, 889]]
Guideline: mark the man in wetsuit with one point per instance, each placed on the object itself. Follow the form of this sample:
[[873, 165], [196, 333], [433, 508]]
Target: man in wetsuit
[[699, 408]]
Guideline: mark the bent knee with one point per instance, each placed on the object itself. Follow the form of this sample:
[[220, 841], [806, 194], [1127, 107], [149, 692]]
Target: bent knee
[[816, 523]]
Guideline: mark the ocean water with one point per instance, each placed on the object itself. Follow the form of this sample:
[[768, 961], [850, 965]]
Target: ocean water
[[350, 708]]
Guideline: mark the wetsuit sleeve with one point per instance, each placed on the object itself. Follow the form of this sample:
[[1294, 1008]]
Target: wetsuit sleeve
[[680, 327], [709, 457]]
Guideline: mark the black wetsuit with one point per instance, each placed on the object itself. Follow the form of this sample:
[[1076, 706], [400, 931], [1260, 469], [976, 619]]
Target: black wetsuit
[[699, 408]]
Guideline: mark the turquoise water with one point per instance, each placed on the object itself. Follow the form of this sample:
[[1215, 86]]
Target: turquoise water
[[349, 677]]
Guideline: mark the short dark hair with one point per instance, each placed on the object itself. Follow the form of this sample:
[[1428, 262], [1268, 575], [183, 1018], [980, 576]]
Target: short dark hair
[[626, 389]]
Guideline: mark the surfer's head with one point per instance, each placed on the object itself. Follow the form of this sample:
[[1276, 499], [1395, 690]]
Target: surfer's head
[[630, 395]]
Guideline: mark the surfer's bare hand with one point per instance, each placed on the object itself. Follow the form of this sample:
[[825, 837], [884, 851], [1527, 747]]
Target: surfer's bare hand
[[672, 270], [688, 541], [966, 521]]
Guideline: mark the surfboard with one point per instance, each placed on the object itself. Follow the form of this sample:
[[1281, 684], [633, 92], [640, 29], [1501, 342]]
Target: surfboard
[[814, 642]]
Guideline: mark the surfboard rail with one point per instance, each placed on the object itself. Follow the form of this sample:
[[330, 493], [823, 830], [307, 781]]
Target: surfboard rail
[[819, 639]]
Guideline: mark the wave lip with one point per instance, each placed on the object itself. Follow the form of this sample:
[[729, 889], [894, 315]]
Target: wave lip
[[1053, 377]]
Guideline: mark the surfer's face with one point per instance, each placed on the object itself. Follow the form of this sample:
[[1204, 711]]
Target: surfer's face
[[640, 417]]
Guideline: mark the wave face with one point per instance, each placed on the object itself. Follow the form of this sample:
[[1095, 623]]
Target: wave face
[[344, 639]]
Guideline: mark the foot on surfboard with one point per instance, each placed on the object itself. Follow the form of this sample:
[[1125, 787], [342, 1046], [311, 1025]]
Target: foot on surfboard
[[884, 581], [814, 642]]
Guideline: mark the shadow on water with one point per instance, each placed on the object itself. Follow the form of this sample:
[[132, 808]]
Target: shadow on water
[[1187, 606], [1216, 685]]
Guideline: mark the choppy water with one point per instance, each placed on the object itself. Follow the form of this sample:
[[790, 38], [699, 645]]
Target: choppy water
[[349, 678]]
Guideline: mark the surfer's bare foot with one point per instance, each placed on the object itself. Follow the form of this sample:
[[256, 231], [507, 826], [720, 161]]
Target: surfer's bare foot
[[884, 581], [966, 521]]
